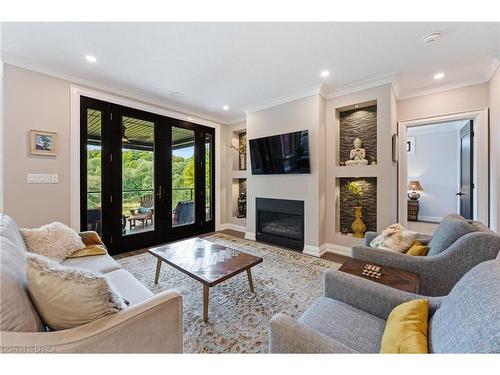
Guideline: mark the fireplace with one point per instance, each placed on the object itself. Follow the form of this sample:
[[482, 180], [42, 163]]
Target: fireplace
[[280, 222]]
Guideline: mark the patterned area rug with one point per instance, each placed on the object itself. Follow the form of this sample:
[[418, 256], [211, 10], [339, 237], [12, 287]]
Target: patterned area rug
[[285, 281]]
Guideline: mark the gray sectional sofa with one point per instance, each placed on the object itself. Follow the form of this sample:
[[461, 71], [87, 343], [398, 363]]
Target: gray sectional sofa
[[151, 323], [351, 316], [456, 246]]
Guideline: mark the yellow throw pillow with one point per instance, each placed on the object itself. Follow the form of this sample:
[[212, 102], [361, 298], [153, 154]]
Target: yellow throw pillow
[[417, 249], [406, 328], [88, 251]]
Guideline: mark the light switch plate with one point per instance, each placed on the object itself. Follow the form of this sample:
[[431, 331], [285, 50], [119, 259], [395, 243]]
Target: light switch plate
[[38, 178]]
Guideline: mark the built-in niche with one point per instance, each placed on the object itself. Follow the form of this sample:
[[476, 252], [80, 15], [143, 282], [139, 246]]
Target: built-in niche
[[358, 121], [348, 200], [239, 196], [239, 146]]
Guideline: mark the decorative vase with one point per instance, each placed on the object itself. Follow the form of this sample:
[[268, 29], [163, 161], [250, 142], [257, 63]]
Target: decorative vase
[[358, 227], [243, 161]]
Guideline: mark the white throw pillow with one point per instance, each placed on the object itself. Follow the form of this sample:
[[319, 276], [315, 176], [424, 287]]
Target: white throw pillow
[[55, 240], [67, 297], [395, 238]]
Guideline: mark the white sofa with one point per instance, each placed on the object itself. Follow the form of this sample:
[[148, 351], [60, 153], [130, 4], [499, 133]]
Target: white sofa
[[151, 323]]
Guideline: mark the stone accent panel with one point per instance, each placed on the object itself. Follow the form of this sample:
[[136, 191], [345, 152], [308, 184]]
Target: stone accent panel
[[358, 123], [368, 202]]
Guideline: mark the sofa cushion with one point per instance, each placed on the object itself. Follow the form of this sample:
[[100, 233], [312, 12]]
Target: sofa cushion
[[468, 320], [55, 240], [16, 309], [10, 230], [97, 263], [68, 297], [451, 228], [128, 286], [352, 327]]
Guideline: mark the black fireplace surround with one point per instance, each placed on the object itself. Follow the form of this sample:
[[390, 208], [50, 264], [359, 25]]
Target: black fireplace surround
[[280, 222]]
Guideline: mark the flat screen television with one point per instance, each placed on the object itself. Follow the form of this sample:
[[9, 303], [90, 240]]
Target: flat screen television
[[280, 154]]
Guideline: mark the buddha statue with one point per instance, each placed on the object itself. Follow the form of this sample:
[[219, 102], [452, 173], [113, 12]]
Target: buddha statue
[[357, 155]]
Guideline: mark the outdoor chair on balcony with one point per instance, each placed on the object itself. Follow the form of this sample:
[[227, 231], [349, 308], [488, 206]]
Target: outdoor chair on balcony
[[183, 213], [144, 213]]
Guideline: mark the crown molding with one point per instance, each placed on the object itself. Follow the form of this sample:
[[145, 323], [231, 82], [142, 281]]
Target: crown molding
[[492, 66], [434, 89], [29, 64], [290, 97], [361, 85]]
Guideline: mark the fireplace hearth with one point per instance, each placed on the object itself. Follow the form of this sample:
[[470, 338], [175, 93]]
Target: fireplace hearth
[[280, 222]]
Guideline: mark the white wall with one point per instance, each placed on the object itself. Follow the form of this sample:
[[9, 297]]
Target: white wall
[[469, 98], [38, 101], [435, 164], [298, 115]]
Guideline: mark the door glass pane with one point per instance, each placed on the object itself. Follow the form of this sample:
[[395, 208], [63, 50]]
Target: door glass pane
[[137, 176], [208, 177], [183, 177], [94, 200]]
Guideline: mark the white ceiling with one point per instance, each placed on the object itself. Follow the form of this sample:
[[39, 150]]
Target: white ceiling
[[246, 65]]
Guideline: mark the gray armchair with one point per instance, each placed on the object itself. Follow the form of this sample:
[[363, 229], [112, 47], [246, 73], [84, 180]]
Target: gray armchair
[[456, 247], [351, 316]]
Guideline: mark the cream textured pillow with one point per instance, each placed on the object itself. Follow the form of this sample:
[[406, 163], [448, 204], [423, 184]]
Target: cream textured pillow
[[395, 238], [67, 297], [55, 240]]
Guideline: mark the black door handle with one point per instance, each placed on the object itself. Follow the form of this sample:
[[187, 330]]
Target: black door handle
[[460, 194]]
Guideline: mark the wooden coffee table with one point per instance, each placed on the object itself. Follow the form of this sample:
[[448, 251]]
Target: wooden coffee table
[[206, 262], [393, 277]]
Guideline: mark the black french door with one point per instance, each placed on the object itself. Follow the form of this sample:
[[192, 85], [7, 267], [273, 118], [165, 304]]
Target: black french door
[[145, 178]]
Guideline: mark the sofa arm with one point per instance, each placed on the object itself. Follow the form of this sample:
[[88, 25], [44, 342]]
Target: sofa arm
[[90, 238], [390, 258], [286, 335], [151, 326], [374, 298]]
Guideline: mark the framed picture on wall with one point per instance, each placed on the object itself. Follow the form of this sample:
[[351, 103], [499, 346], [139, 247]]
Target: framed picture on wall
[[410, 145], [43, 142]]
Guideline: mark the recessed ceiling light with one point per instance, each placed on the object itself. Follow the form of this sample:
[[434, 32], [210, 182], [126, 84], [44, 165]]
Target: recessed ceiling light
[[439, 75], [431, 38], [189, 118], [356, 106], [177, 95], [225, 107], [324, 73], [90, 58]]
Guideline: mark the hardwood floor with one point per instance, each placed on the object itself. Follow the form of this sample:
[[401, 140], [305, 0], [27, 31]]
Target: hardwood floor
[[328, 256]]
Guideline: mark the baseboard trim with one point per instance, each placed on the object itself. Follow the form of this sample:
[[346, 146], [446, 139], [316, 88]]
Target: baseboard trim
[[236, 227], [336, 249], [434, 219], [250, 236], [315, 251]]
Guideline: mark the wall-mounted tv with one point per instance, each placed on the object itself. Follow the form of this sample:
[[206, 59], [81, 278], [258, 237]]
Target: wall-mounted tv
[[280, 154]]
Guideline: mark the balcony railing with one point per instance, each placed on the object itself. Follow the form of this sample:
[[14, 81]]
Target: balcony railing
[[131, 197]]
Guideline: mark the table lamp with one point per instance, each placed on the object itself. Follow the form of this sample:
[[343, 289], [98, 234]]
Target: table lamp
[[414, 186]]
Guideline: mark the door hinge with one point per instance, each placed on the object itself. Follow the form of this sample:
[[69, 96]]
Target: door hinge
[[111, 157], [111, 198], [111, 115], [111, 239]]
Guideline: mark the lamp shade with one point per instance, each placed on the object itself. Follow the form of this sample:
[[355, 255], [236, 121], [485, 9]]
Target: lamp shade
[[415, 185]]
